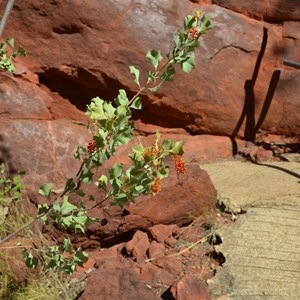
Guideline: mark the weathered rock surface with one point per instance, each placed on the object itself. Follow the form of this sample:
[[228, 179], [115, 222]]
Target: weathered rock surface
[[243, 184], [182, 199], [116, 284], [261, 249], [273, 10], [81, 49], [262, 255], [92, 53], [89, 57], [189, 288], [163, 274], [42, 148]]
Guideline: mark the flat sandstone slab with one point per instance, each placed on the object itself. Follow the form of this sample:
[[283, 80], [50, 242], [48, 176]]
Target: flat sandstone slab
[[262, 252], [262, 248], [246, 184]]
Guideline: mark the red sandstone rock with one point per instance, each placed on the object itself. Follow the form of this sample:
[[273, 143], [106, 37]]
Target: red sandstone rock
[[182, 198], [210, 100], [155, 276], [264, 155], [42, 148], [190, 288], [138, 246], [156, 249], [171, 264], [269, 10], [116, 285], [109, 255], [161, 232]]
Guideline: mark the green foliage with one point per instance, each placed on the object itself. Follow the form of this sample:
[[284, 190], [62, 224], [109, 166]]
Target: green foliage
[[62, 257], [110, 128], [7, 56], [10, 188]]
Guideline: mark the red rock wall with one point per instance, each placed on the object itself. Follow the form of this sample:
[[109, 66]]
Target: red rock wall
[[80, 49]]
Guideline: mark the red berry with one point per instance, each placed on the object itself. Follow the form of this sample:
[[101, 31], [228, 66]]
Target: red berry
[[156, 186], [91, 147], [179, 164]]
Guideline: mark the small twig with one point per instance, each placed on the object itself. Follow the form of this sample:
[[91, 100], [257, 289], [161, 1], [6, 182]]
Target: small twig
[[201, 241], [8, 8], [38, 217]]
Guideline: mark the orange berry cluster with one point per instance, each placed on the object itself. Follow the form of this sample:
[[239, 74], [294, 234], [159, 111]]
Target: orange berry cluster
[[150, 152], [156, 186], [193, 32], [179, 164], [91, 147]]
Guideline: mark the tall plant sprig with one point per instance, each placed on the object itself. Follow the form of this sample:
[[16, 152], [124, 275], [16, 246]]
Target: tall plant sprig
[[110, 127]]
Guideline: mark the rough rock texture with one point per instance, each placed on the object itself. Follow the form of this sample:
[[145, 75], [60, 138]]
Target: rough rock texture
[[189, 288], [182, 199], [79, 50], [163, 274], [236, 190], [90, 54], [273, 10], [262, 255], [116, 284]]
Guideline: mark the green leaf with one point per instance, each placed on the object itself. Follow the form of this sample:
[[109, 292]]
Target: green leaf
[[136, 104], [206, 24], [2, 48], [121, 199], [151, 76], [102, 181], [163, 171], [167, 144], [70, 185], [155, 88], [53, 263], [10, 41], [67, 207], [136, 72], [80, 257], [189, 64], [45, 219], [30, 260], [95, 109], [157, 139], [178, 148], [122, 98], [109, 109], [189, 22], [21, 51], [123, 138], [116, 171], [155, 57], [80, 193], [42, 208], [56, 206], [169, 73], [138, 150], [45, 189], [87, 176], [69, 269], [122, 111], [68, 245]]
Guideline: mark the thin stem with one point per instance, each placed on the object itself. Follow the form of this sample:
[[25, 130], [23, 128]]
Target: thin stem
[[8, 8], [38, 217], [137, 94]]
